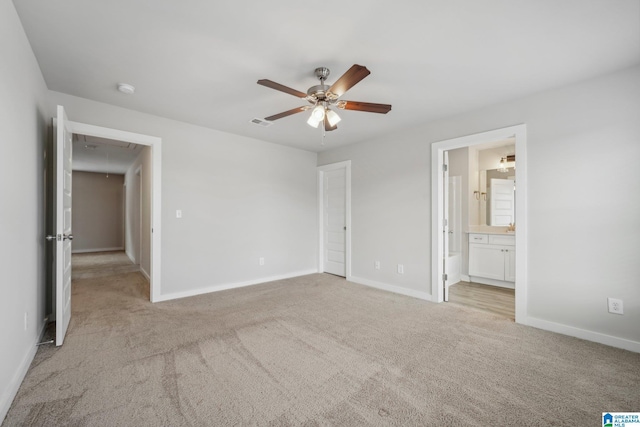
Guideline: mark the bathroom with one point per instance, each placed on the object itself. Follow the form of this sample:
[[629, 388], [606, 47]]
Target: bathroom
[[482, 224]]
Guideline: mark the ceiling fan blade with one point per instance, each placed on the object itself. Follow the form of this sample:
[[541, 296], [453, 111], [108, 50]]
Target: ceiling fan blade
[[327, 126], [281, 88], [364, 106], [287, 113], [349, 79]]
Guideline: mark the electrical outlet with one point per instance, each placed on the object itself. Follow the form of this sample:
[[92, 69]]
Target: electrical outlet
[[261, 261], [400, 269], [615, 305], [179, 213], [377, 265]]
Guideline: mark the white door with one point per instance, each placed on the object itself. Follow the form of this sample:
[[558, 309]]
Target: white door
[[334, 217], [62, 214], [445, 224], [502, 200]]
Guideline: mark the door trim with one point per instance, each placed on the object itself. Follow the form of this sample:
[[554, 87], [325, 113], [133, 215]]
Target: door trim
[[437, 201], [321, 171], [155, 143]]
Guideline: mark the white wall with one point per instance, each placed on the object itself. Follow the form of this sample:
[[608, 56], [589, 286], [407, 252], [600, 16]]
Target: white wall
[[24, 123], [241, 199], [97, 212], [138, 215], [583, 147]]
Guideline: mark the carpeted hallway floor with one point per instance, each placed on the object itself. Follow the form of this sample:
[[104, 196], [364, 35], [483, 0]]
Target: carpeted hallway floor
[[313, 350]]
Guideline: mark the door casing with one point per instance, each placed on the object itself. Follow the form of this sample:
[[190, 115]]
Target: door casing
[[321, 171], [437, 203], [155, 143]]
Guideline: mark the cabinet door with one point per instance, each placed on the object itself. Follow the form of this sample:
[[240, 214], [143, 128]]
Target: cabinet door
[[510, 264], [486, 261]]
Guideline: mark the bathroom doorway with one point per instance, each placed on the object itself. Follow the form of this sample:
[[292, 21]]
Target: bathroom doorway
[[440, 230]]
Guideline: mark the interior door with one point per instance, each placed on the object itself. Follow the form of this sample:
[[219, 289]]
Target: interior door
[[445, 225], [62, 217], [334, 217]]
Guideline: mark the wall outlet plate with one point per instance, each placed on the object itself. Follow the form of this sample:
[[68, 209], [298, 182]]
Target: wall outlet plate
[[377, 265], [400, 269], [615, 306]]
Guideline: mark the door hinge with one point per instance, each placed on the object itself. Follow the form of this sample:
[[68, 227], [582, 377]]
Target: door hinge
[[445, 168], [445, 277]]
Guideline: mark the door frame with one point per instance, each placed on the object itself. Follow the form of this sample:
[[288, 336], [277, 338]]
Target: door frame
[[437, 202], [346, 165], [155, 143]]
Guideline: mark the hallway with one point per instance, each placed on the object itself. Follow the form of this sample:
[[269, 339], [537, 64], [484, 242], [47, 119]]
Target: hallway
[[100, 264]]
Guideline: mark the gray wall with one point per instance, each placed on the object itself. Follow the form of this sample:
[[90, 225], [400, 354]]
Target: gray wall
[[584, 233], [97, 212], [24, 124], [241, 199], [138, 211]]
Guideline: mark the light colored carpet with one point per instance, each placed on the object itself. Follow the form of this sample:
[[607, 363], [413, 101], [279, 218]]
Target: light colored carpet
[[100, 264], [314, 350]]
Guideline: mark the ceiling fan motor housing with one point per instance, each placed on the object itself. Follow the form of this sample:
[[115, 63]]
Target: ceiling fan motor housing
[[322, 73]]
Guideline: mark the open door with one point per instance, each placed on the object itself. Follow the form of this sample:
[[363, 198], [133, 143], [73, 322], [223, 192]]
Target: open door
[[445, 228], [62, 219]]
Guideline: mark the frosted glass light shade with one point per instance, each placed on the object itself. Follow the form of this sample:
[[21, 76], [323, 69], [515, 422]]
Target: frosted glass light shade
[[332, 117]]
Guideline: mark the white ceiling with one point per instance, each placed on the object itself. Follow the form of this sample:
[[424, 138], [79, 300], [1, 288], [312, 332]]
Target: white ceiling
[[198, 60], [93, 154]]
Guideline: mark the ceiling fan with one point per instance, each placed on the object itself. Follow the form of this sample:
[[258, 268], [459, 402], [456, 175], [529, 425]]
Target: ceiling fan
[[322, 97]]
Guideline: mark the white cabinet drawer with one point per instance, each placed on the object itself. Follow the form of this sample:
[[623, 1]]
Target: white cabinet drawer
[[478, 238], [502, 240]]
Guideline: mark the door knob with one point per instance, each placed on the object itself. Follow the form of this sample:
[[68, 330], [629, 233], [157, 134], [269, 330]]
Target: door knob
[[67, 237], [51, 237]]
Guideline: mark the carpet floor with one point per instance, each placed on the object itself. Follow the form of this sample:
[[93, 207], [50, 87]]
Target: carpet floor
[[313, 350]]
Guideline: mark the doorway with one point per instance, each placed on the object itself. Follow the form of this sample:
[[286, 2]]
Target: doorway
[[154, 235], [439, 227], [334, 219]]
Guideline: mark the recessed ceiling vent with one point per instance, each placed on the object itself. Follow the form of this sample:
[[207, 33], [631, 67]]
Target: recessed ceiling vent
[[261, 122]]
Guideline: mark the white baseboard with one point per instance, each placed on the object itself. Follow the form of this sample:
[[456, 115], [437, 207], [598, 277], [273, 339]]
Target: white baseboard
[[391, 288], [12, 388], [145, 274], [83, 251], [583, 334], [465, 278], [224, 287]]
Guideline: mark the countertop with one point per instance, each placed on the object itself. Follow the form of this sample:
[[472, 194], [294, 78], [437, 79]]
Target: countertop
[[486, 229]]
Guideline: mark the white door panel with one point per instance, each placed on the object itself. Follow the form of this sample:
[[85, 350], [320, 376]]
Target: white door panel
[[334, 217], [445, 227], [62, 213]]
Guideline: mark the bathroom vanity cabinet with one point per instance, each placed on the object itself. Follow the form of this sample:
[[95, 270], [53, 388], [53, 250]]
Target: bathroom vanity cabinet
[[492, 259]]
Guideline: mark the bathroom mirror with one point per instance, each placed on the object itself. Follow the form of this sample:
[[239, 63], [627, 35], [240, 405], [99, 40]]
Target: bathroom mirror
[[497, 197]]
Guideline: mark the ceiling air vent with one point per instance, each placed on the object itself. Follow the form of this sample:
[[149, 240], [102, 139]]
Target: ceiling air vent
[[261, 122]]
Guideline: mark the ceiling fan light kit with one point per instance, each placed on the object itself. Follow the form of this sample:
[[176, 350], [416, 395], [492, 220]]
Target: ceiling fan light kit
[[322, 97]]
